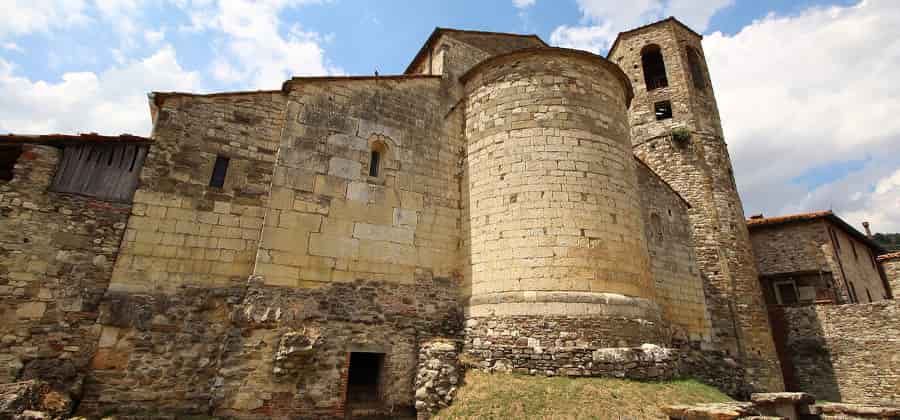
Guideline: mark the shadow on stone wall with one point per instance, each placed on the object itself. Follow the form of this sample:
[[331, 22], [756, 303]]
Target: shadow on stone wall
[[806, 359]]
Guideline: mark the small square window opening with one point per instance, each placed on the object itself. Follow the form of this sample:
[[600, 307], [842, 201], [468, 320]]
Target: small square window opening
[[662, 110]]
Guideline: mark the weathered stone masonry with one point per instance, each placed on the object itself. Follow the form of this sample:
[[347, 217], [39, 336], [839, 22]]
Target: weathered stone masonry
[[56, 255], [699, 168], [486, 208]]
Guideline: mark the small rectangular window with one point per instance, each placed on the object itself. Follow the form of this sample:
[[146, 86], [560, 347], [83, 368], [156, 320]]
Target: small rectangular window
[[868, 294], [219, 170], [663, 110], [853, 245], [786, 292], [853, 298], [374, 161]]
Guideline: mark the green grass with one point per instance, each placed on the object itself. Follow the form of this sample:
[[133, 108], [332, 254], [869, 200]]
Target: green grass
[[515, 397]]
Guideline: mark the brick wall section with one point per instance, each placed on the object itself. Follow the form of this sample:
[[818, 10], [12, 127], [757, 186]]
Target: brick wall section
[[891, 267], [700, 170], [667, 227], [182, 231], [848, 353], [56, 257]]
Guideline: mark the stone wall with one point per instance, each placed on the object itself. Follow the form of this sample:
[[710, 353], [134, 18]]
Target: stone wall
[[182, 230], [890, 265], [552, 190], [857, 266], [679, 288], [848, 353], [807, 247], [56, 258], [699, 168]]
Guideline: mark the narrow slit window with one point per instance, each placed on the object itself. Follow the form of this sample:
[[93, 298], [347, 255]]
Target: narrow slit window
[[662, 110], [220, 169], [8, 158], [374, 161]]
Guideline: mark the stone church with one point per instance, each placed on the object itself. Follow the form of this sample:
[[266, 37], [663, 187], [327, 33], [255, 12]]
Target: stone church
[[347, 245]]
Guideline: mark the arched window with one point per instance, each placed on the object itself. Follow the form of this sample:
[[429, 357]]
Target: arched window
[[654, 67], [696, 65]]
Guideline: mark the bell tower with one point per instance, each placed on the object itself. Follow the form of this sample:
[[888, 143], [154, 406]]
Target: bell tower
[[676, 131]]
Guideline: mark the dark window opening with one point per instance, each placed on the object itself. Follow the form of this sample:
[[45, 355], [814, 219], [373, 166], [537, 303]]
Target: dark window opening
[[786, 293], [374, 161], [654, 67], [853, 297], [696, 66], [8, 158], [868, 294], [853, 246], [364, 378], [219, 170], [662, 110]]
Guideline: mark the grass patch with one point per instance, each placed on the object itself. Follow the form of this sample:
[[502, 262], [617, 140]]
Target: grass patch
[[512, 397]]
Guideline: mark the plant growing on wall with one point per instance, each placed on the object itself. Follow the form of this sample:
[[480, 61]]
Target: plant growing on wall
[[681, 134]]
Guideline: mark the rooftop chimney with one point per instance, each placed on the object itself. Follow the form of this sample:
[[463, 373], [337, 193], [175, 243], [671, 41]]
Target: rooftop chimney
[[866, 227], [756, 216]]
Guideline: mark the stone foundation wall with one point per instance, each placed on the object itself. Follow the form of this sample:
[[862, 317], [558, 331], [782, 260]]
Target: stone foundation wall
[[439, 375], [848, 353], [56, 257]]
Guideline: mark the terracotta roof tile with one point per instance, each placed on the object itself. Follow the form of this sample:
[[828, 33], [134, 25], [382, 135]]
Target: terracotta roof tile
[[888, 257], [769, 221], [764, 222]]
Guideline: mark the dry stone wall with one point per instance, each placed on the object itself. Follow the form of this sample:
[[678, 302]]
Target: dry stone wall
[[56, 257], [848, 353]]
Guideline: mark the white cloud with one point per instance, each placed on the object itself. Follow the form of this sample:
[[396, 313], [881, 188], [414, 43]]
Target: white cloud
[[22, 17], [588, 38], [602, 20], [523, 4], [256, 54], [12, 46], [111, 102], [804, 92], [154, 37]]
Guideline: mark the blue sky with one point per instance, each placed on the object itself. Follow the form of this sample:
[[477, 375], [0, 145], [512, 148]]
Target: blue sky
[[809, 120]]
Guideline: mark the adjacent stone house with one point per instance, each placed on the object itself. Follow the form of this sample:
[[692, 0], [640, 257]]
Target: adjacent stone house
[[890, 266], [816, 258]]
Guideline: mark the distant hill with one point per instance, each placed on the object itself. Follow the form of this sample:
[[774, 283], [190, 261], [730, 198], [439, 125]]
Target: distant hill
[[890, 241]]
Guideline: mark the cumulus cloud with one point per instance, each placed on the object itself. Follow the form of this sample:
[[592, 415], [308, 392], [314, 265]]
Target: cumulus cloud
[[256, 53], [523, 4], [111, 102], [22, 17], [806, 93], [602, 20]]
